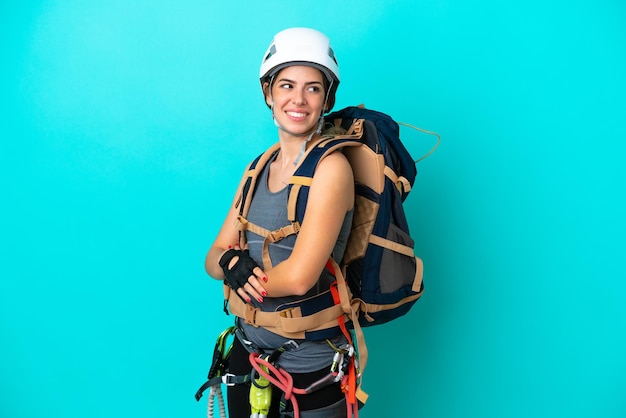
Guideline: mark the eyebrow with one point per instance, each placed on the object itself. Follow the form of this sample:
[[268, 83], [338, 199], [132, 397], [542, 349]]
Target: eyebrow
[[293, 82]]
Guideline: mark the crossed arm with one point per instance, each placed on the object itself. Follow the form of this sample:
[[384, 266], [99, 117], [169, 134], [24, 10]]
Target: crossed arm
[[331, 195]]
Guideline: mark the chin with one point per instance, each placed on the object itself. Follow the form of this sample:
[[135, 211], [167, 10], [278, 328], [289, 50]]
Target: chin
[[300, 129]]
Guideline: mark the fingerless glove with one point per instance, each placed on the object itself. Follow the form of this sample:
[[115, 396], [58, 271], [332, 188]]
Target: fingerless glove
[[238, 275]]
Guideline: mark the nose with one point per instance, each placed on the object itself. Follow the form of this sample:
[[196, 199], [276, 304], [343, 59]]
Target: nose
[[298, 97]]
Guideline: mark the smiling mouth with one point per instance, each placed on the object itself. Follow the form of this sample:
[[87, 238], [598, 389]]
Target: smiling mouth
[[296, 114]]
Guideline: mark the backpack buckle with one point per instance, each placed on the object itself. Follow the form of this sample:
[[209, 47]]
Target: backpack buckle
[[283, 232], [250, 316]]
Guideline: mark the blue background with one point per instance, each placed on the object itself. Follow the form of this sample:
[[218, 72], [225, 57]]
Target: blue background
[[125, 127]]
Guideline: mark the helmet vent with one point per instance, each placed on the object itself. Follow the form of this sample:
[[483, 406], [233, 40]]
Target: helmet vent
[[331, 54], [271, 52]]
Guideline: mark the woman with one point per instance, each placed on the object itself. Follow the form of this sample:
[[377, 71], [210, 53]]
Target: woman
[[299, 77]]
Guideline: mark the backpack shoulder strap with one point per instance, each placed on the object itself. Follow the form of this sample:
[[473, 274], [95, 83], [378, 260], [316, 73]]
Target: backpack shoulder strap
[[248, 185], [300, 182]]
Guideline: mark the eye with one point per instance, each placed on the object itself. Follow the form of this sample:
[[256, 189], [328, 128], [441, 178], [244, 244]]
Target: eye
[[286, 86], [315, 89]]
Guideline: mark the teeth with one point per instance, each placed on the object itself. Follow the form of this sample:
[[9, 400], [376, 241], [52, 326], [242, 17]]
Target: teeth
[[296, 115]]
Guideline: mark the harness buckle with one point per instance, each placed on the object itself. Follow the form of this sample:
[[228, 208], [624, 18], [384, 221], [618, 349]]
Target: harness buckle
[[229, 379]]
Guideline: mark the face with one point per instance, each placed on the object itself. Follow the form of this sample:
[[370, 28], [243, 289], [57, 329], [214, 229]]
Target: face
[[298, 98]]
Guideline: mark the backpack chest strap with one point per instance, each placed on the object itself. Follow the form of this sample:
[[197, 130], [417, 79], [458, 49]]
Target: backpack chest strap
[[276, 235]]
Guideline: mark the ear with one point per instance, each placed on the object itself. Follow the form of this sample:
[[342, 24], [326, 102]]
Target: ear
[[266, 93]]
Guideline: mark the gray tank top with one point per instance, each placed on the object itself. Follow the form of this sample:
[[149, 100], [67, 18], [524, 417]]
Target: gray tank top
[[269, 210]]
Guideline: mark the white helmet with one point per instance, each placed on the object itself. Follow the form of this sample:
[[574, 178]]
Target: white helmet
[[301, 46]]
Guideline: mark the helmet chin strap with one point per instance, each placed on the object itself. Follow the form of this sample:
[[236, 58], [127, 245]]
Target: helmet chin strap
[[306, 135]]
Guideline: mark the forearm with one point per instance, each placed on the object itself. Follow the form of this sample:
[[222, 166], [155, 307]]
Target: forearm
[[211, 263], [294, 276]]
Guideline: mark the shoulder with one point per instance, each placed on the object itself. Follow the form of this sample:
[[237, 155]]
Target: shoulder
[[334, 162], [334, 172]]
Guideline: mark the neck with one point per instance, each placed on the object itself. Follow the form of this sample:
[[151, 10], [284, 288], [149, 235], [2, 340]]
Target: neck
[[292, 149]]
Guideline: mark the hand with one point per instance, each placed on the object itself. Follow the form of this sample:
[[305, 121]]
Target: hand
[[243, 274]]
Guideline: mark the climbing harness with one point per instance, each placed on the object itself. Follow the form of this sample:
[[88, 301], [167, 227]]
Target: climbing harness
[[265, 376]]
